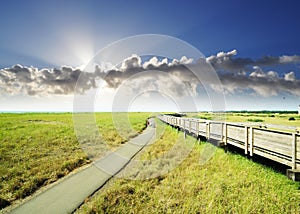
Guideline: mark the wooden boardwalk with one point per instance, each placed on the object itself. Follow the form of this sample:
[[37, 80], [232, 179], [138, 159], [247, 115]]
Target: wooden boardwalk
[[282, 147]]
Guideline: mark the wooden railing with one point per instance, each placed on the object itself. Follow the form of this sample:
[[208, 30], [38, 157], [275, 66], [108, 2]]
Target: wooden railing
[[279, 146]]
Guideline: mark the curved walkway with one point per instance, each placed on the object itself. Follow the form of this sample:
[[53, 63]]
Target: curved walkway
[[70, 193]]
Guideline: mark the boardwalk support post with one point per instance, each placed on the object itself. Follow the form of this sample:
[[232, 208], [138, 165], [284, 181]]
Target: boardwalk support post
[[225, 134], [246, 140], [294, 173], [223, 141], [251, 141], [198, 130], [220, 141], [207, 130], [294, 152], [222, 132]]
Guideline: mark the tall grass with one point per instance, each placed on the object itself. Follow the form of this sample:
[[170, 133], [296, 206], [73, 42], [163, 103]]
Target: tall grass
[[37, 149], [227, 183], [281, 119]]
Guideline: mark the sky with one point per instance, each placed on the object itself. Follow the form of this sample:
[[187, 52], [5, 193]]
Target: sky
[[252, 46]]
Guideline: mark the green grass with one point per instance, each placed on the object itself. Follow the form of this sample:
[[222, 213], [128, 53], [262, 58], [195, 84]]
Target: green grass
[[255, 120], [227, 183], [265, 118], [160, 146], [281, 119], [39, 148]]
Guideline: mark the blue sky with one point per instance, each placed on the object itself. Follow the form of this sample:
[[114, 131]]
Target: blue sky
[[48, 34]]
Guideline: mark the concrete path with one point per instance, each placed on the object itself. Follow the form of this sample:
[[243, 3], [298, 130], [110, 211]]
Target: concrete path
[[69, 194]]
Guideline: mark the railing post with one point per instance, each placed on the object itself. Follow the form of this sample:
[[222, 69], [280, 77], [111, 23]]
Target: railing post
[[184, 128], [207, 130], [246, 140], [190, 126], [198, 130], [225, 134], [251, 141], [222, 129], [294, 150], [197, 127]]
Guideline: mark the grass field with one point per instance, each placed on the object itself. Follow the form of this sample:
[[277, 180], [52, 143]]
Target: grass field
[[38, 148], [228, 183], [281, 119]]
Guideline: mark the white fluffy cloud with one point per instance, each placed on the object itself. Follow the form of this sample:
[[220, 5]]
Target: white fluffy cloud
[[131, 62], [221, 57], [290, 76], [289, 59]]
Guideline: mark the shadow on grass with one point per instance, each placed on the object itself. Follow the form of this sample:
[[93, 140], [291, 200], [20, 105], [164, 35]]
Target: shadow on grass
[[277, 167]]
